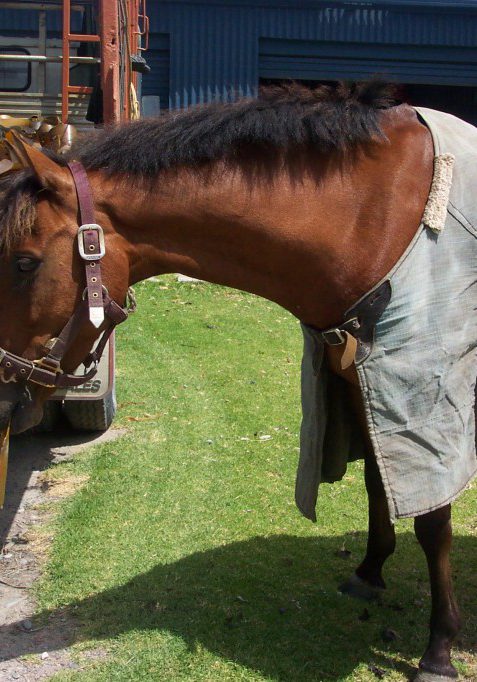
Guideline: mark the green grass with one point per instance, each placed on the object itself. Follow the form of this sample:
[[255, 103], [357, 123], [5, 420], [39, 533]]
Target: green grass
[[184, 556]]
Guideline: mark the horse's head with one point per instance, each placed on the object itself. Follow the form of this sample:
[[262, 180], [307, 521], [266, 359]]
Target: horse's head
[[43, 279]]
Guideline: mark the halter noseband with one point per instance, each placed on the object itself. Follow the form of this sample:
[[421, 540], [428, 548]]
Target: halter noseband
[[97, 307]]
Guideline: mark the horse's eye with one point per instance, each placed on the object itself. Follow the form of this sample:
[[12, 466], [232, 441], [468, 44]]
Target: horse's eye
[[27, 264]]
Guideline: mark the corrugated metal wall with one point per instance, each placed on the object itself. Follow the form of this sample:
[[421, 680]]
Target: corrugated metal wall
[[220, 48], [158, 58], [213, 50], [312, 60]]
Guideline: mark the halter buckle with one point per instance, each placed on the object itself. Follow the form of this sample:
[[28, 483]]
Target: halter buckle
[[88, 227], [44, 363]]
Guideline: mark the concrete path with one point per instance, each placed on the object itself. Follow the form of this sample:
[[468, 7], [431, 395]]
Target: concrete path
[[19, 565]]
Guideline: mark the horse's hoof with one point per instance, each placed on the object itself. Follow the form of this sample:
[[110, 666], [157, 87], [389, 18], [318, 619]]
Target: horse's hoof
[[359, 588], [427, 676], [423, 676]]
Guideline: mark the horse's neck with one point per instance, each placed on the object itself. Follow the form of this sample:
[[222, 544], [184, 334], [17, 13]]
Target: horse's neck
[[313, 247]]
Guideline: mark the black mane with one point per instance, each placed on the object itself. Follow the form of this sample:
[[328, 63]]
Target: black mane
[[338, 118], [328, 118]]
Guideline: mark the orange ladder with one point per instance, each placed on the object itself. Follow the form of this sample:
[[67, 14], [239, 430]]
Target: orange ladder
[[109, 61]]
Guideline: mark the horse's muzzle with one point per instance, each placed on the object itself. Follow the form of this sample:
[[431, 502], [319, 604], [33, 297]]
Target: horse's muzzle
[[26, 414], [20, 407]]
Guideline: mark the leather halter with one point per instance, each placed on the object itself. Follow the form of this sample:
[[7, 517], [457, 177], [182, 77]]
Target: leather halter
[[97, 307]]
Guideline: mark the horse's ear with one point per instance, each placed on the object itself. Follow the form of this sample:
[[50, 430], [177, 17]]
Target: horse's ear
[[15, 148], [50, 174]]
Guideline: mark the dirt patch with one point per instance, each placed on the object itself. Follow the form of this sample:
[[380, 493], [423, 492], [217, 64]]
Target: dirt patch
[[64, 487], [31, 651]]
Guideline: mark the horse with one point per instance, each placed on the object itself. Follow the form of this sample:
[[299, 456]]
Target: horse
[[307, 197]]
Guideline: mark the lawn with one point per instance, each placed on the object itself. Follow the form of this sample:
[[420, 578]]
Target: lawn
[[183, 555]]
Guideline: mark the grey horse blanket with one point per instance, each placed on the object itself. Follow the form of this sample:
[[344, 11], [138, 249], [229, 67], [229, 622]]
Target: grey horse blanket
[[418, 381]]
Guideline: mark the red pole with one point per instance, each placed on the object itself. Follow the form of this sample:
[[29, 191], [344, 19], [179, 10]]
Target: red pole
[[65, 68], [134, 33], [110, 61]]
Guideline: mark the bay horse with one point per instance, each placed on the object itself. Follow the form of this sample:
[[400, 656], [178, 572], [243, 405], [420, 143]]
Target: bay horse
[[305, 197]]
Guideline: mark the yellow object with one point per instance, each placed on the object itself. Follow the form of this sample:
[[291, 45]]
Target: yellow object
[[10, 121], [134, 104], [4, 441]]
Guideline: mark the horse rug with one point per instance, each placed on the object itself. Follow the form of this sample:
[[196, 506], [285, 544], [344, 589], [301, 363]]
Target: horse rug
[[418, 381]]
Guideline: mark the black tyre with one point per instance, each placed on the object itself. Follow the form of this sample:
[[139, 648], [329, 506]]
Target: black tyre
[[91, 415]]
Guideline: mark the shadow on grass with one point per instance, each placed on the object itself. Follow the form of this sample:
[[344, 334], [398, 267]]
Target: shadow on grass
[[270, 604]]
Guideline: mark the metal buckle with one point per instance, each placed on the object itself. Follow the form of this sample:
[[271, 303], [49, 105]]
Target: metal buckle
[[333, 337], [43, 363], [87, 227], [40, 363]]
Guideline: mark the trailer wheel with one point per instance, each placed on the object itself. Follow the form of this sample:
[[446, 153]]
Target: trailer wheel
[[91, 415]]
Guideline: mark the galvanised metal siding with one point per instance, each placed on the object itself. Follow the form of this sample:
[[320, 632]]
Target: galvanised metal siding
[[215, 44]]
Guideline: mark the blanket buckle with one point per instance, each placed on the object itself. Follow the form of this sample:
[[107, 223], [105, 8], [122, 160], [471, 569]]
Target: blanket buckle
[[333, 337]]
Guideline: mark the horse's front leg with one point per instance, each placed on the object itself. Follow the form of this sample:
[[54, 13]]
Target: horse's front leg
[[434, 532], [367, 582]]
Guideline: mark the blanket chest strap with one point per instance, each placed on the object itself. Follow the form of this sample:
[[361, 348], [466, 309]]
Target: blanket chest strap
[[360, 321]]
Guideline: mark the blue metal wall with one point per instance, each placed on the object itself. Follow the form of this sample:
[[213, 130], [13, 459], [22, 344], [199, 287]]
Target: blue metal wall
[[220, 48], [158, 59]]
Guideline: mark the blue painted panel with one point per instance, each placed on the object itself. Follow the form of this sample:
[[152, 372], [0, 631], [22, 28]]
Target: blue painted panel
[[310, 60], [369, 25], [214, 51], [395, 22], [410, 5], [215, 45], [158, 58]]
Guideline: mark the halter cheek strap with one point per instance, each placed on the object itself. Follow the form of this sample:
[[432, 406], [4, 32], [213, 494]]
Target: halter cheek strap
[[90, 244], [96, 307]]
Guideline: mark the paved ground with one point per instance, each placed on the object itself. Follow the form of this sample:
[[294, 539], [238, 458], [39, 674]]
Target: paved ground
[[19, 564]]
